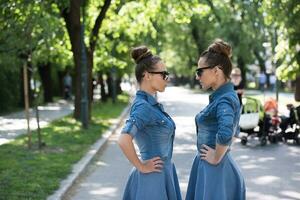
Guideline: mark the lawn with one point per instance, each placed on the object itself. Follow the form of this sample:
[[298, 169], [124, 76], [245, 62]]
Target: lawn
[[36, 174]]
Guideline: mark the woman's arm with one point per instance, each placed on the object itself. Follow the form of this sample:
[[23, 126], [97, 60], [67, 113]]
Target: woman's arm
[[152, 165], [240, 91], [213, 156], [225, 119]]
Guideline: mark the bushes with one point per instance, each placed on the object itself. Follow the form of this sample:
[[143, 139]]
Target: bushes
[[10, 89]]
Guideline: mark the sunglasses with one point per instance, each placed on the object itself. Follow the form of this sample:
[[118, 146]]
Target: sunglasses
[[164, 74], [199, 71]]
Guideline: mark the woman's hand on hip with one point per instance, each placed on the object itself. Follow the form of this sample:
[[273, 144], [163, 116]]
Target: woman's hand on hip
[[209, 154], [153, 165]]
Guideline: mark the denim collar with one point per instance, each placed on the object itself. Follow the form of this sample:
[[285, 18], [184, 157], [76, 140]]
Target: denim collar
[[220, 91], [148, 97]]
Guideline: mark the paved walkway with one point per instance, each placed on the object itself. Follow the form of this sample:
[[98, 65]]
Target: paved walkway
[[15, 124], [271, 172]]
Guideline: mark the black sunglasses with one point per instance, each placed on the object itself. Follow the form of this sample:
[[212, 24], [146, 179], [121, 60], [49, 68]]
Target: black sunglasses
[[199, 71], [164, 74]]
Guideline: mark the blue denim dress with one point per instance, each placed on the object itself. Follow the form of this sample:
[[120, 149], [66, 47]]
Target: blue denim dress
[[217, 124], [153, 131]]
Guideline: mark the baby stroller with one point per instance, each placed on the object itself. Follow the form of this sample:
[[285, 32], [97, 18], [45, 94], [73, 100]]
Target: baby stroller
[[252, 120], [273, 121], [291, 125]]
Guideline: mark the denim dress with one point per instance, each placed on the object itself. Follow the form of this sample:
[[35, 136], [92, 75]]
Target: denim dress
[[153, 131], [217, 124]]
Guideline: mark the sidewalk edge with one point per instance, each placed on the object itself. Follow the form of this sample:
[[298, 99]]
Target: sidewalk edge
[[81, 165]]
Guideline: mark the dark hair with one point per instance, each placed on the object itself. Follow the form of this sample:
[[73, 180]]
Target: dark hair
[[219, 53], [145, 61]]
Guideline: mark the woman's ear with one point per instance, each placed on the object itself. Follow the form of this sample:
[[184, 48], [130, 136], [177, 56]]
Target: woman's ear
[[217, 69], [147, 76]]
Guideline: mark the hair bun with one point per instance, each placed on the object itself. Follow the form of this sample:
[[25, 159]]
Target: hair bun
[[138, 53], [219, 46]]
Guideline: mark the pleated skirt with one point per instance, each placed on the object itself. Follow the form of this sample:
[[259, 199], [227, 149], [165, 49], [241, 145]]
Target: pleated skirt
[[216, 182], [153, 186]]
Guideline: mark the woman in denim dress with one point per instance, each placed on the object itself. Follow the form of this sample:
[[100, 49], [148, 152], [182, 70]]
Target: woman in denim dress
[[214, 174], [154, 175]]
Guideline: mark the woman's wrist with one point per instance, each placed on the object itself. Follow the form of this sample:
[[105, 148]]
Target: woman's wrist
[[140, 166], [217, 159]]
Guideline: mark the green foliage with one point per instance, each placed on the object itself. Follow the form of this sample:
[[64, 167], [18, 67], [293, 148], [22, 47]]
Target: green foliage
[[259, 31], [32, 32], [34, 174], [33, 27], [283, 20], [9, 90]]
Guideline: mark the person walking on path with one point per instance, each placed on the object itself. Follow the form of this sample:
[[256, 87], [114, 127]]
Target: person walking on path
[[67, 86], [154, 175], [238, 85], [272, 81], [262, 79], [214, 174]]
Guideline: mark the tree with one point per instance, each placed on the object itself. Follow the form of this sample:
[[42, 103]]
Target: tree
[[71, 15], [283, 19]]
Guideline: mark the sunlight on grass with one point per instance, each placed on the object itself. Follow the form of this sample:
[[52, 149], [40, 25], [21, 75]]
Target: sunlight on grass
[[35, 174]]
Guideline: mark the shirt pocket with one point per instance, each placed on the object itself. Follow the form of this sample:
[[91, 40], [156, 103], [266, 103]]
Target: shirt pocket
[[205, 115], [164, 125], [161, 135]]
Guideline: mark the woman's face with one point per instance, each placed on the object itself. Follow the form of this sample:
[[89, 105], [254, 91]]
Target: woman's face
[[236, 79], [159, 77], [205, 74]]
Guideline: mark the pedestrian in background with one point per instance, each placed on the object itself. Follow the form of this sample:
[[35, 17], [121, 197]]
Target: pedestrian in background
[[262, 80], [154, 175], [214, 174], [67, 86], [238, 85], [272, 81]]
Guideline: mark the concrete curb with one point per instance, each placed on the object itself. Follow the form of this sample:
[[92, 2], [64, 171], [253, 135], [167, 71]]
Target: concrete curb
[[81, 165]]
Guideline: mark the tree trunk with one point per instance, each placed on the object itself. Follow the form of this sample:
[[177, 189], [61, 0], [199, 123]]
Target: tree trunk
[[118, 85], [21, 76], [71, 16], [241, 65], [90, 51], [109, 84], [102, 87], [297, 90], [26, 100], [45, 74], [261, 61], [90, 64]]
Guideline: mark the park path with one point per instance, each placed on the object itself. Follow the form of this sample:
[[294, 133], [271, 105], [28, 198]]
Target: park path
[[15, 124], [271, 172]]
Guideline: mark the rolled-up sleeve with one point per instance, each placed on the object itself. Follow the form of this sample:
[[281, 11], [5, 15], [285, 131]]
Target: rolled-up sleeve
[[225, 117], [130, 127], [140, 116], [237, 131]]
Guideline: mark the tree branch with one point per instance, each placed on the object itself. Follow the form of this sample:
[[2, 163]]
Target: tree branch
[[211, 5], [98, 23]]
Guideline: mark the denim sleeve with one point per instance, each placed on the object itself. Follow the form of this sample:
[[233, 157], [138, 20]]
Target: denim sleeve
[[225, 117], [237, 132], [139, 118], [237, 128]]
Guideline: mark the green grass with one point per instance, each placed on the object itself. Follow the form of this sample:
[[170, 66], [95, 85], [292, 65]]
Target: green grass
[[36, 174]]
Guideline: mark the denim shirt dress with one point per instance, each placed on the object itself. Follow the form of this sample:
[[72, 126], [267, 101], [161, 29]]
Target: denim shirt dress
[[217, 123], [153, 131]]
